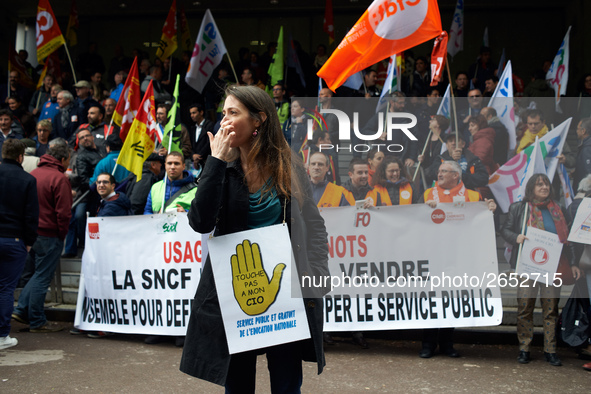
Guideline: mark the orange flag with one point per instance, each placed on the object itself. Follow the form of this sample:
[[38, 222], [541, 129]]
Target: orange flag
[[386, 28], [129, 101], [49, 36], [168, 43], [438, 57]]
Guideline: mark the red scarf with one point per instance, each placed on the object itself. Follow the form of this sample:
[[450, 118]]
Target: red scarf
[[536, 220]]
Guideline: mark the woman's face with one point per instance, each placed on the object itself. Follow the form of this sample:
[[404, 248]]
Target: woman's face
[[541, 190], [377, 159], [588, 82], [296, 109], [433, 125], [237, 119], [473, 127], [393, 172]]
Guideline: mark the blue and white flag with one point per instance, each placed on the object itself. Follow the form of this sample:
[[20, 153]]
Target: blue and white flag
[[444, 106], [535, 165], [456, 31], [502, 102], [557, 75], [391, 84], [567, 188]]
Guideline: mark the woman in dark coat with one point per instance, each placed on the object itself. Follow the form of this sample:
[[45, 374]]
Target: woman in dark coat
[[250, 181], [545, 214]]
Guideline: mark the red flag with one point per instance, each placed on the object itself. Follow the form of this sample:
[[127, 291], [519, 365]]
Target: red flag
[[16, 64], [384, 29], [328, 22], [438, 58], [49, 36], [129, 101], [168, 43], [140, 142]]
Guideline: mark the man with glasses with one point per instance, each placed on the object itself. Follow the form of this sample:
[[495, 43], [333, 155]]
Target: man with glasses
[[112, 203], [448, 189], [536, 127]]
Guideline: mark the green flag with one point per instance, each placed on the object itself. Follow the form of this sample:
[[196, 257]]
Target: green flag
[[276, 66], [172, 131]]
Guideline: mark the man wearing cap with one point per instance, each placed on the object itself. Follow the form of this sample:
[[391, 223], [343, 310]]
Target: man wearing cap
[[84, 99]]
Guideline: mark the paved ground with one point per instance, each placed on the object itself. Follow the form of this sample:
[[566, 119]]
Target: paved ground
[[62, 363]]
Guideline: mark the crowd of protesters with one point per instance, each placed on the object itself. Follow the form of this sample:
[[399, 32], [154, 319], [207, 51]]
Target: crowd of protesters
[[65, 128]]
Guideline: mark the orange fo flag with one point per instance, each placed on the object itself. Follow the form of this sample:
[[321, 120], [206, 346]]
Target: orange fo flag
[[49, 36], [438, 58], [129, 101], [168, 43], [386, 28], [328, 22], [139, 143]]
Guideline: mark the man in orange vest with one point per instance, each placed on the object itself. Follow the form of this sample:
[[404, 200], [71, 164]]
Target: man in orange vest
[[325, 193], [358, 183], [449, 188]]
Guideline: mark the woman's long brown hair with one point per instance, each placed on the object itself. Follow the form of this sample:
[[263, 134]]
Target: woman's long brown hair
[[270, 151]]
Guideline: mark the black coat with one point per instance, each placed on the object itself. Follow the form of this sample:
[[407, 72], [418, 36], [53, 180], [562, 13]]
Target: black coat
[[201, 146], [19, 205], [222, 201], [512, 228]]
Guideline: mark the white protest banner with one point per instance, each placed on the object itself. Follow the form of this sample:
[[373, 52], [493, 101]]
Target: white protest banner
[[581, 228], [252, 271], [145, 286], [539, 256], [439, 272]]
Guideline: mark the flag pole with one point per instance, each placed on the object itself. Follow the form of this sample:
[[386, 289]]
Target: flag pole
[[165, 174], [232, 66], [453, 101], [71, 64], [522, 233], [422, 154]]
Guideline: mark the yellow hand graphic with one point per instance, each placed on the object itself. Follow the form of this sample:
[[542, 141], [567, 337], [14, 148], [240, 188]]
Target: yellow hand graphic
[[252, 288]]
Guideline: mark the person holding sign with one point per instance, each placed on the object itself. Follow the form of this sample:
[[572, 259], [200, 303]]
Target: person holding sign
[[537, 210], [448, 189], [251, 181]]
